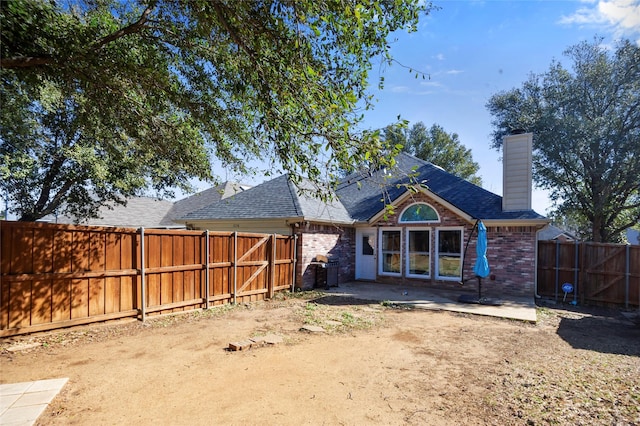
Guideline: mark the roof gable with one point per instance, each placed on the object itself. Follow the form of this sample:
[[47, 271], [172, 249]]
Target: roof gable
[[271, 199], [204, 198], [278, 198], [365, 196]]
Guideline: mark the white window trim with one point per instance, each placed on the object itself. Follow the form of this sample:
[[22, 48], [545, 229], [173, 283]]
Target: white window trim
[[381, 256], [407, 252], [436, 252], [419, 221]]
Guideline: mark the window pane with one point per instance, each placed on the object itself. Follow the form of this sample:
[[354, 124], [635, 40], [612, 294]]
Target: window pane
[[391, 251], [419, 264], [449, 242], [419, 259], [391, 240], [419, 213], [419, 241], [391, 262], [450, 253], [367, 248]]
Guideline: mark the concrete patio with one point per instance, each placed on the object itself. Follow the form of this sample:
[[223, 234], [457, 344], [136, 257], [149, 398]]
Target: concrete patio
[[517, 308], [22, 403]]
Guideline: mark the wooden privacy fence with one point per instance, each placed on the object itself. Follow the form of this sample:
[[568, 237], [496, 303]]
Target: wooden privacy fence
[[55, 276], [605, 274]]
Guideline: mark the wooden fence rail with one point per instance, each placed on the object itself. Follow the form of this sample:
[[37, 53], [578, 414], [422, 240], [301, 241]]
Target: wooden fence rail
[[600, 274], [55, 276]]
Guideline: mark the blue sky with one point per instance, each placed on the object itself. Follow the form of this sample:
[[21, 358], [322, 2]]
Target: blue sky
[[474, 49]]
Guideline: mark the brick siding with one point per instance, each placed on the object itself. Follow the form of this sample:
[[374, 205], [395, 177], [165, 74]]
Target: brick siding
[[511, 253], [335, 242]]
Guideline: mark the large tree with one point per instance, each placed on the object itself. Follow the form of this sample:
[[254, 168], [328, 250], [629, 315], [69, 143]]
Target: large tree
[[103, 99], [586, 125], [437, 146]]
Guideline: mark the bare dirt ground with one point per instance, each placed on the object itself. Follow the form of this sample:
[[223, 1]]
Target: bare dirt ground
[[374, 364]]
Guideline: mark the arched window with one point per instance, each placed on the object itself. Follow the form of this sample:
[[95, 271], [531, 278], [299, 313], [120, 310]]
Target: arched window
[[419, 212]]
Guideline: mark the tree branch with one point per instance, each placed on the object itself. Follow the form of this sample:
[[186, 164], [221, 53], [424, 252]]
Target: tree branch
[[25, 61], [130, 29], [35, 61], [231, 31]]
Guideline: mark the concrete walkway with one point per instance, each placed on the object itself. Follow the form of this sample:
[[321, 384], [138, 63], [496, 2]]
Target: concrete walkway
[[22, 403], [518, 308]]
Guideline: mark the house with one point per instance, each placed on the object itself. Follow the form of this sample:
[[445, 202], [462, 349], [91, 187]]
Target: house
[[550, 232], [150, 212], [428, 239]]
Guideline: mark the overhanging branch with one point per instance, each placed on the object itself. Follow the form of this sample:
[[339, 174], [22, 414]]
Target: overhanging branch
[[25, 61], [130, 29], [35, 61]]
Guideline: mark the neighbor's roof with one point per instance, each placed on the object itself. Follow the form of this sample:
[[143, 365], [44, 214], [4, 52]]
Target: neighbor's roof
[[147, 212], [278, 198], [364, 196], [204, 198], [551, 232]]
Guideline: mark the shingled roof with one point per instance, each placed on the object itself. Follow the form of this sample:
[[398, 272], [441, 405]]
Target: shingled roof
[[148, 212], [204, 198], [364, 196], [359, 197], [278, 198]]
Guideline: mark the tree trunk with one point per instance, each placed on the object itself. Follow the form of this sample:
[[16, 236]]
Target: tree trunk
[[596, 229]]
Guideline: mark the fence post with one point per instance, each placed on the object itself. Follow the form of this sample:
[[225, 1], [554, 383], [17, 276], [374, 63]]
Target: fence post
[[575, 273], [557, 268], [585, 276], [235, 265], [295, 260], [206, 269], [272, 266], [626, 276], [143, 291]]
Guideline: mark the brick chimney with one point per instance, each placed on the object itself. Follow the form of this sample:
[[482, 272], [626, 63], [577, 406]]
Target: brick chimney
[[517, 153]]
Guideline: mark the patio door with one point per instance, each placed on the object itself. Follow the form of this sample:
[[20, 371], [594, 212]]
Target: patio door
[[365, 254]]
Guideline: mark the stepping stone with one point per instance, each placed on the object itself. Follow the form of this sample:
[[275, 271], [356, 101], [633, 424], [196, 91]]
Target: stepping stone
[[272, 339], [23, 347], [312, 329], [241, 346]]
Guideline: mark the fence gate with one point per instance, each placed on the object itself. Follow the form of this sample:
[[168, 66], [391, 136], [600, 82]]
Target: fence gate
[[251, 266], [601, 273], [604, 265]]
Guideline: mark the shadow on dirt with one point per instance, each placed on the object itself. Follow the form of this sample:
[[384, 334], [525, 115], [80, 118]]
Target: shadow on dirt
[[601, 334], [343, 301]]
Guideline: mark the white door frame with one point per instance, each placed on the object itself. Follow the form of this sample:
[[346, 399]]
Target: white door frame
[[366, 264]]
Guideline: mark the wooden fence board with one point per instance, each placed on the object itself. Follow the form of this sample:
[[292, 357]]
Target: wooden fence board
[[43, 261], [20, 305], [40, 302], [79, 298], [96, 296], [604, 275], [62, 249], [62, 275], [60, 300], [22, 252]]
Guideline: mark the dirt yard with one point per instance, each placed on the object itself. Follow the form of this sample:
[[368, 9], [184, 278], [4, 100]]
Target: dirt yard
[[373, 364]]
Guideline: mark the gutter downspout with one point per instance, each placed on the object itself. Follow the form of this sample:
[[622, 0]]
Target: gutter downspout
[[293, 227], [535, 267]]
